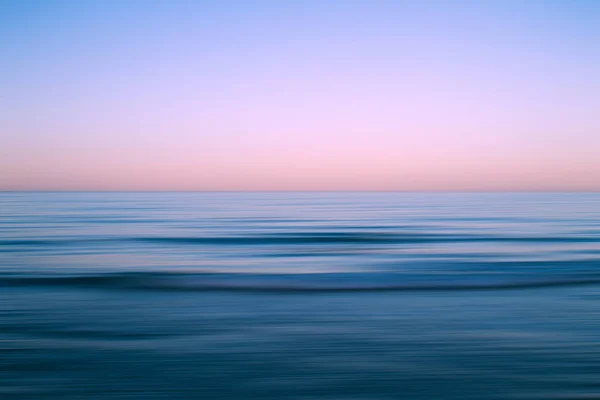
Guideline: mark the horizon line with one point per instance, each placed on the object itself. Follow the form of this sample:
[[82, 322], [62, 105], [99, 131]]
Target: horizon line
[[293, 191]]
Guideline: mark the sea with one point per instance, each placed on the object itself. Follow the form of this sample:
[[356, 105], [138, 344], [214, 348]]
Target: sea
[[299, 295]]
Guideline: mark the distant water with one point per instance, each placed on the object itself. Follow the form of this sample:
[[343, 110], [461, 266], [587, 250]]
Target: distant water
[[341, 296]]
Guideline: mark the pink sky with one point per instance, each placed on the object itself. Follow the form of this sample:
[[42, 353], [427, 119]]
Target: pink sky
[[433, 95]]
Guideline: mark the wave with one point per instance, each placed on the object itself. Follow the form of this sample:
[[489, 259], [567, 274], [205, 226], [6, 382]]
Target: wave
[[315, 282], [314, 238], [307, 238]]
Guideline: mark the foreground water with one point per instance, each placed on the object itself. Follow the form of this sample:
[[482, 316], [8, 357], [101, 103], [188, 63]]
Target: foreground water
[[342, 296]]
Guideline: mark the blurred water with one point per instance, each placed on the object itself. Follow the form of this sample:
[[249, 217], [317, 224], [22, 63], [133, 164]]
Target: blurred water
[[299, 296]]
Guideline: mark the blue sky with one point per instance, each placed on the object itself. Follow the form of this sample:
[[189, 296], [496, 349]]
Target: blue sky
[[290, 95]]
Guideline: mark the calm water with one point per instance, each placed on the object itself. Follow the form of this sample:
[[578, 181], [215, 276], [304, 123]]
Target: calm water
[[341, 296]]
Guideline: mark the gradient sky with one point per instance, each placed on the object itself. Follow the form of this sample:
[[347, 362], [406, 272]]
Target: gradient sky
[[300, 95]]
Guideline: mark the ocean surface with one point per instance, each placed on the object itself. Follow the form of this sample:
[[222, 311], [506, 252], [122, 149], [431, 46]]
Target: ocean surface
[[300, 296]]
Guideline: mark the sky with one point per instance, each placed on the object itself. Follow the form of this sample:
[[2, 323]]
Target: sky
[[210, 95]]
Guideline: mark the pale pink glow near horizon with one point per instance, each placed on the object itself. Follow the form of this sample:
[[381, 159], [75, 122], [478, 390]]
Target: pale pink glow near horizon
[[450, 98]]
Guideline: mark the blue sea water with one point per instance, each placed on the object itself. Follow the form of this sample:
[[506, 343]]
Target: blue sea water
[[302, 296]]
